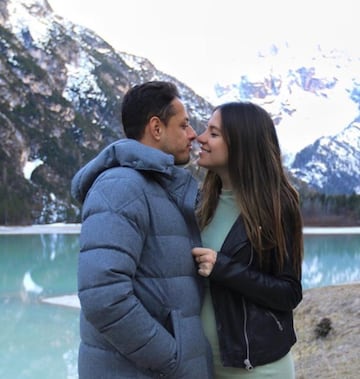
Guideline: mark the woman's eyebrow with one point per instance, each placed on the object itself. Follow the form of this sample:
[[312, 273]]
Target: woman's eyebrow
[[214, 127]]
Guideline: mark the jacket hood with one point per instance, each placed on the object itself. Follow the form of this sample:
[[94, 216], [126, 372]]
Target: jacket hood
[[122, 153]]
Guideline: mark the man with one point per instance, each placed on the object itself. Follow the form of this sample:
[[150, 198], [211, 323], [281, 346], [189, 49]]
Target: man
[[139, 292]]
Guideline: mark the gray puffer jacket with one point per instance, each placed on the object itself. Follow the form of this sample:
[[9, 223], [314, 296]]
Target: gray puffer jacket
[[138, 286]]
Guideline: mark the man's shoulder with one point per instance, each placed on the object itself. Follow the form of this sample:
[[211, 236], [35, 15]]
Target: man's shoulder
[[123, 175], [118, 188]]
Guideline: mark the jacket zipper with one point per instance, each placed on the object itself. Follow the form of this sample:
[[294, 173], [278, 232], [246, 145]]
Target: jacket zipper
[[281, 328], [247, 362]]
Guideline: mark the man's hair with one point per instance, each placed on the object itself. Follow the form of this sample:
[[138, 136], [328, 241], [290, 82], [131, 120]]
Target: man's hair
[[144, 101]]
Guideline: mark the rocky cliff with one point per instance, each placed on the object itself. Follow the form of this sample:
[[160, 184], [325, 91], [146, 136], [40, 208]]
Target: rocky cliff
[[61, 88]]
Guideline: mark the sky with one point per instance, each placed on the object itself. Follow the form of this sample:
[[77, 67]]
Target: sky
[[204, 41]]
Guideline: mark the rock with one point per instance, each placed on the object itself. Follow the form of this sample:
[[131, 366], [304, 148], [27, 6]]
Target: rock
[[332, 313], [323, 328]]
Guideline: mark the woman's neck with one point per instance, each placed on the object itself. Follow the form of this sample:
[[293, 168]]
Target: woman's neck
[[226, 183]]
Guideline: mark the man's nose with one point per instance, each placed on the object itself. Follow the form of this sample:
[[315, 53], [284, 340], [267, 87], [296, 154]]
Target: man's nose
[[191, 133]]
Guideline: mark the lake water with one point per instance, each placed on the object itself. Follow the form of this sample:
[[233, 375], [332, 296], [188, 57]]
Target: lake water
[[40, 340]]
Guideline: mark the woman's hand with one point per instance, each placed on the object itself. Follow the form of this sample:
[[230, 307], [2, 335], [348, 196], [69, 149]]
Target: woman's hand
[[206, 259]]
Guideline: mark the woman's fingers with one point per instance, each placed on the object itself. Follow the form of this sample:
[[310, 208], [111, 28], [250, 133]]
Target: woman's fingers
[[205, 258], [205, 269], [203, 254]]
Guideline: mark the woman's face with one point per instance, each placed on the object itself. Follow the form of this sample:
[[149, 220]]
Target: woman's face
[[214, 151]]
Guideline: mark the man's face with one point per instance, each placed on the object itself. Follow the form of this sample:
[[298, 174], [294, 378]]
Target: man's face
[[178, 134]]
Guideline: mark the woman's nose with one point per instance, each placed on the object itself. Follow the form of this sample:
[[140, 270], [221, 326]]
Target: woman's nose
[[200, 138]]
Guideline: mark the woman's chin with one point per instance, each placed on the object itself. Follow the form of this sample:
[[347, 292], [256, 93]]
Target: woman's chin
[[201, 164]]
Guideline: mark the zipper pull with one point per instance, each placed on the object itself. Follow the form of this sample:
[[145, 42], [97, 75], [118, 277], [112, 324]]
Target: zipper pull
[[279, 325], [248, 365]]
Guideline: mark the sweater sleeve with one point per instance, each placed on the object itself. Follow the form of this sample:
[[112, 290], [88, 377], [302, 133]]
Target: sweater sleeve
[[115, 221]]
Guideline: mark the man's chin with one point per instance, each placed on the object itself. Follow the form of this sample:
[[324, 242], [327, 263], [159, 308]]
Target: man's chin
[[182, 161]]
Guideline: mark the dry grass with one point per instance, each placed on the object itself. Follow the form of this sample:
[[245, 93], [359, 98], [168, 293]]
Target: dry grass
[[336, 354]]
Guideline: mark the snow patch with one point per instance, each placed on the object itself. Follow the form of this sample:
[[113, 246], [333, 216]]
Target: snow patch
[[30, 166]]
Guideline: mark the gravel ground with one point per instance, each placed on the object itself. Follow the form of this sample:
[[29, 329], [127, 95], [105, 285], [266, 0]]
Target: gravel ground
[[327, 324]]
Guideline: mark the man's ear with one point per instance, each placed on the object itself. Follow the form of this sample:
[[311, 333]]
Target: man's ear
[[155, 128]]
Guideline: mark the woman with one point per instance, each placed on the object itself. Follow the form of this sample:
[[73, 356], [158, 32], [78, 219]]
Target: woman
[[253, 245]]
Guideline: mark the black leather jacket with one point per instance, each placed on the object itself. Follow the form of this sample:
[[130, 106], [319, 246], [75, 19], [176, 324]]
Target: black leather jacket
[[253, 308]]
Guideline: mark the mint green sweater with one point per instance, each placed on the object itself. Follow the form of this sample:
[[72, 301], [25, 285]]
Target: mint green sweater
[[213, 237]]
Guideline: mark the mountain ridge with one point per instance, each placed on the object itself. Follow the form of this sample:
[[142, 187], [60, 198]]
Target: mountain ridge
[[315, 104], [61, 91]]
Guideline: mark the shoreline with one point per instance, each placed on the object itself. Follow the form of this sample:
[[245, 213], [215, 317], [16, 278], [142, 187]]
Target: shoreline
[[72, 299], [62, 228], [56, 228], [331, 230]]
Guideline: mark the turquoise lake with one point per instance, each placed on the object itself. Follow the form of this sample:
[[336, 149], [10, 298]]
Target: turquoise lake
[[40, 340]]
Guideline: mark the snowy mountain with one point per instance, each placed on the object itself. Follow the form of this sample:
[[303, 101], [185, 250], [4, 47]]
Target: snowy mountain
[[316, 107], [332, 163], [61, 88]]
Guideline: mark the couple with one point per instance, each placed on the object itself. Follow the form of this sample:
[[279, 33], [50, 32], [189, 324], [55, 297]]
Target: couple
[[159, 299]]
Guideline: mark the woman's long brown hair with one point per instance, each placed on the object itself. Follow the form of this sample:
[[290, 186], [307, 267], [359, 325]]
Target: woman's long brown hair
[[268, 203]]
